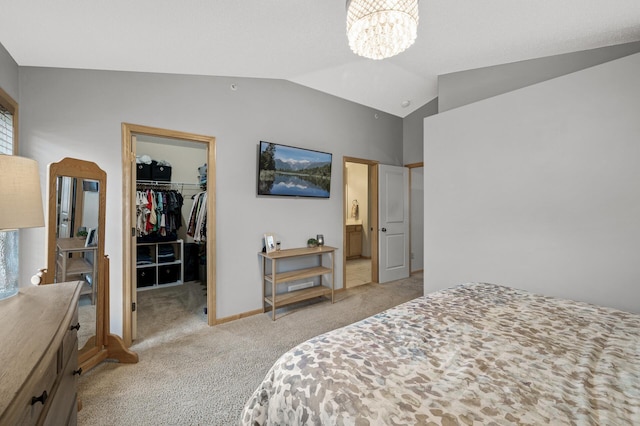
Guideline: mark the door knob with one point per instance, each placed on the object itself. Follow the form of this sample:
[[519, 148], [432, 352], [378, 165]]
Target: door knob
[[384, 229]]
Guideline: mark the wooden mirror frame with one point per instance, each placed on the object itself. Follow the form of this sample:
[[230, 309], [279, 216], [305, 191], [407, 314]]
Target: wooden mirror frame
[[103, 345]]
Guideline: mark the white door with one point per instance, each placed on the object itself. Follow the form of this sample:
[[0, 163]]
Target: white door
[[64, 227], [393, 230]]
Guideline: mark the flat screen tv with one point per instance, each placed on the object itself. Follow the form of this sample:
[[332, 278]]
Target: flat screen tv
[[287, 171]]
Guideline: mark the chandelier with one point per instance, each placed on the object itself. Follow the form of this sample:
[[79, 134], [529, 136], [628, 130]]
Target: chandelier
[[379, 29]]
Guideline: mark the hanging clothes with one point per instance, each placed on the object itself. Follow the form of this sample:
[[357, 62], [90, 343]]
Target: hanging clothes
[[158, 212], [197, 225]]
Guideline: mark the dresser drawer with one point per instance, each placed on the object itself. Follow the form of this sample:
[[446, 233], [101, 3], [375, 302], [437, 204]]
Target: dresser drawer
[[31, 408], [63, 409]]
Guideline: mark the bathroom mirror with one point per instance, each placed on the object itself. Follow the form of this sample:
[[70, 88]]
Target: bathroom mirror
[[75, 252]]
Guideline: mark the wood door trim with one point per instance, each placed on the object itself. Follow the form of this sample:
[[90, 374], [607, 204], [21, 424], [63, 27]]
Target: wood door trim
[[12, 106], [128, 182], [373, 219]]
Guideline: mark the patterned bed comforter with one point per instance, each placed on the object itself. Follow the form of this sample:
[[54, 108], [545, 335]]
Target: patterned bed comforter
[[472, 354]]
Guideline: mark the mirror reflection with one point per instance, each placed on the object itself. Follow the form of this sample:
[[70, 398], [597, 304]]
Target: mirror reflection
[[77, 194], [77, 207]]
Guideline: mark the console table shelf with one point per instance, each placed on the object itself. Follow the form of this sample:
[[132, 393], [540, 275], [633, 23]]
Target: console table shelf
[[274, 277], [300, 274], [76, 259]]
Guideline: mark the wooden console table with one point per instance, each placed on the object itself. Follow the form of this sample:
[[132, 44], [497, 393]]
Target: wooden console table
[[274, 277], [74, 266]]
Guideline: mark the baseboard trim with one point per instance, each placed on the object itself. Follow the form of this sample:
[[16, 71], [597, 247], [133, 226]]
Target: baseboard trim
[[247, 314], [219, 321]]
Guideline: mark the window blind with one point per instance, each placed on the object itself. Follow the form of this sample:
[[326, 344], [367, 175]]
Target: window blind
[[6, 131]]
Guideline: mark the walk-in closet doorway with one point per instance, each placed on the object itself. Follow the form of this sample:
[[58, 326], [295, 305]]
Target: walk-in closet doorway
[[137, 140]]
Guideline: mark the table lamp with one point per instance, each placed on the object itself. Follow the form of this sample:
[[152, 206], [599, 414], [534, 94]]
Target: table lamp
[[20, 207]]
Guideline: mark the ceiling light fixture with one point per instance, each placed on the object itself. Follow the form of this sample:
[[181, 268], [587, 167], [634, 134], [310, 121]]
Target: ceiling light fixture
[[379, 29]]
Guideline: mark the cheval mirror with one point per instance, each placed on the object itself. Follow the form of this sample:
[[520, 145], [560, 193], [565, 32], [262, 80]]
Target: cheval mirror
[[75, 252]]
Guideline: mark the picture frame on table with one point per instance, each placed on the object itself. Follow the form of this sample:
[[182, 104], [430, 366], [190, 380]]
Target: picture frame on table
[[92, 237], [270, 242]]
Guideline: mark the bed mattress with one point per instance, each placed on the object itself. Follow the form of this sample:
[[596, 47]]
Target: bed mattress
[[472, 354]]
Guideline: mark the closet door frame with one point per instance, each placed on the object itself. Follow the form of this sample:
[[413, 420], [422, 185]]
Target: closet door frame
[[129, 132]]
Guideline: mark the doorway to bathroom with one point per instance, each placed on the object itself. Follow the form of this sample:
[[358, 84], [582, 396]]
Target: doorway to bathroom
[[360, 218]]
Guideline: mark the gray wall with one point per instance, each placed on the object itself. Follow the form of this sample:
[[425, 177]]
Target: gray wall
[[539, 188], [9, 74], [413, 144], [464, 87], [78, 113], [412, 134]]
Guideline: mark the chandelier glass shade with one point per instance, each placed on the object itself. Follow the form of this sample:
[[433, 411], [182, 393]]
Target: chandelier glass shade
[[379, 29]]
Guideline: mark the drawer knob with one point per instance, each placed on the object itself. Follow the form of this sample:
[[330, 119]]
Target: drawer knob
[[78, 371], [42, 398], [76, 327]]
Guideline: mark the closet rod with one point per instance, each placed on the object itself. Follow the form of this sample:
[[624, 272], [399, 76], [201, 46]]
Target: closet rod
[[166, 185]]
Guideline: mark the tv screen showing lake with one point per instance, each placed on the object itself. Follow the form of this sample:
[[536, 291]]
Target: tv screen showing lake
[[289, 171]]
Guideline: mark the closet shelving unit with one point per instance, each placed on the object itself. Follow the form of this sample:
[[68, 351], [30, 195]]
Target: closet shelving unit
[[159, 273]]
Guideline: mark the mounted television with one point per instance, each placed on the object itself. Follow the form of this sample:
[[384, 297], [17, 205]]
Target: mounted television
[[287, 171]]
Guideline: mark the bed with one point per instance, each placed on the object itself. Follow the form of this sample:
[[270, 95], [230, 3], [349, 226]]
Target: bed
[[471, 354]]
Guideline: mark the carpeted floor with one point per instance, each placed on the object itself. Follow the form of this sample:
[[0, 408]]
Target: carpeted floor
[[193, 374]]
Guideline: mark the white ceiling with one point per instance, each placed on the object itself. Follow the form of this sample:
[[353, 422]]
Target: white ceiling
[[304, 41]]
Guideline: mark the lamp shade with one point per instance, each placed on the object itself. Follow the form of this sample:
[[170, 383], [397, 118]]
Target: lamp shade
[[20, 194]]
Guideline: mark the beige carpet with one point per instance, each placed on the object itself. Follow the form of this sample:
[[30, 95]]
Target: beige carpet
[[193, 374]]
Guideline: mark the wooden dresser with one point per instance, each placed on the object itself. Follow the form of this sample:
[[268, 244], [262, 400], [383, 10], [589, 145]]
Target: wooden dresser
[[39, 355]]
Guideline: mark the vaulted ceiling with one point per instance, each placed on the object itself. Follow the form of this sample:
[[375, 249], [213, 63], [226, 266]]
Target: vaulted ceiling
[[304, 41]]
